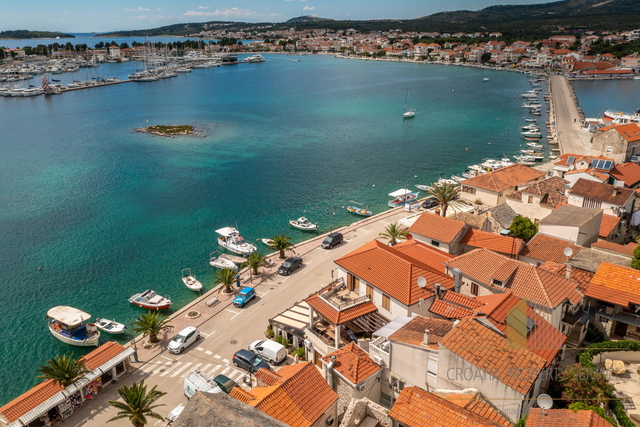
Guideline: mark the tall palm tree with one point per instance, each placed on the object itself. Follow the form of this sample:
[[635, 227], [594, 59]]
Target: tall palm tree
[[444, 193], [281, 243], [225, 277], [151, 324], [65, 370], [393, 233], [138, 404], [254, 261]]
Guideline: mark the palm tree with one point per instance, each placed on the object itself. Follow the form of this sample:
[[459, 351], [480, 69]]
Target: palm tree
[[138, 404], [444, 194], [63, 369], [151, 324], [255, 261], [226, 277], [281, 243], [393, 233]]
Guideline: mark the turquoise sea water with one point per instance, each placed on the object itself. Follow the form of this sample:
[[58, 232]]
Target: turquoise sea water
[[597, 96], [107, 212]]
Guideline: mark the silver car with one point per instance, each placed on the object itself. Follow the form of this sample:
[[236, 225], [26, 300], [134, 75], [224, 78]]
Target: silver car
[[184, 339]]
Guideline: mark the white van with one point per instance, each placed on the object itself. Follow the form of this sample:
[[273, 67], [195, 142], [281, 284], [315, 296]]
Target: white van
[[269, 350], [199, 381]]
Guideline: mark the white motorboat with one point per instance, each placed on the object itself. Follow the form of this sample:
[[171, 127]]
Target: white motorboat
[[182, 70], [110, 326], [190, 280], [423, 187], [447, 181], [491, 164], [529, 95], [486, 79], [620, 117], [231, 240], [254, 58], [534, 106], [67, 324], [267, 242], [221, 262], [150, 300], [457, 178], [303, 223], [531, 120], [534, 145], [402, 196]]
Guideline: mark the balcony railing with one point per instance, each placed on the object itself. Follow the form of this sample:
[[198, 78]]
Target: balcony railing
[[628, 318]]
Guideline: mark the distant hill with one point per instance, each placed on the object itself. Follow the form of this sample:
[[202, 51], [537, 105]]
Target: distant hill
[[521, 21], [26, 34]]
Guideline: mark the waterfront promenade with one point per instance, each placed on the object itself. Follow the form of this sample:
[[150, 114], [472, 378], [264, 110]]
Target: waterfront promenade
[[564, 112]]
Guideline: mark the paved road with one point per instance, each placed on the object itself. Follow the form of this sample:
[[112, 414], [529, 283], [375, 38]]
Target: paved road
[[567, 118], [230, 330]]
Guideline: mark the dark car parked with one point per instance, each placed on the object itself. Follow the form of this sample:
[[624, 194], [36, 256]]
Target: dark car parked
[[249, 361], [289, 266], [332, 240], [429, 203]]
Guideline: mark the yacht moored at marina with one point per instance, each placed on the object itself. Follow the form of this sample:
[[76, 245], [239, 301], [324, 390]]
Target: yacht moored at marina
[[150, 300], [67, 324], [620, 117], [231, 240], [303, 223], [254, 58]]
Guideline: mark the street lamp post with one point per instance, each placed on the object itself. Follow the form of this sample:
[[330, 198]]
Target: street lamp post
[[135, 347]]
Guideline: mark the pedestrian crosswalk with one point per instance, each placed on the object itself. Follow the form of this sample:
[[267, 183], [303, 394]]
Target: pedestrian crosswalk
[[177, 369]]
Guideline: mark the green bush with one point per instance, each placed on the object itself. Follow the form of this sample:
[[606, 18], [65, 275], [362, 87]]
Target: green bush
[[282, 340], [298, 352], [269, 332]]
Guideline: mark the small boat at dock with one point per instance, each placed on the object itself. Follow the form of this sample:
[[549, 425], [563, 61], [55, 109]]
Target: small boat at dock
[[531, 120], [150, 300], [110, 326], [359, 210], [67, 324], [534, 145], [423, 187], [221, 262], [267, 242], [231, 240], [304, 224], [402, 196], [190, 280]]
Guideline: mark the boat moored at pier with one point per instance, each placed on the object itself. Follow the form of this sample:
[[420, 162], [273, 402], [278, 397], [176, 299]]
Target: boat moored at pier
[[231, 240], [68, 325], [150, 300], [303, 223], [402, 196]]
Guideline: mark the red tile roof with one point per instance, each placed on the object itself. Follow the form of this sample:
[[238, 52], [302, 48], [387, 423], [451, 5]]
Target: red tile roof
[[548, 248], [608, 224], [353, 363], [449, 311], [527, 282], [488, 350], [551, 191], [590, 171], [393, 272], [563, 158], [495, 242], [338, 317], [615, 247], [102, 355], [438, 227], [429, 255], [600, 191], [418, 408], [615, 284], [413, 331], [630, 131], [581, 277], [462, 300], [30, 400], [629, 173], [504, 178], [564, 417], [476, 403], [299, 398]]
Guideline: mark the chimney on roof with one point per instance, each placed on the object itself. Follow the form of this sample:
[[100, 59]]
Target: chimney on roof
[[593, 171], [427, 334], [457, 279], [568, 271], [329, 372], [438, 290], [615, 190]]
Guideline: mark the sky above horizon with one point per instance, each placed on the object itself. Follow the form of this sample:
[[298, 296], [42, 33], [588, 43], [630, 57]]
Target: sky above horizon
[[75, 16]]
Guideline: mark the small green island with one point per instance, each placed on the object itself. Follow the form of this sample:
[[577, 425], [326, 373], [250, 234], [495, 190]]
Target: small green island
[[171, 131], [26, 34]]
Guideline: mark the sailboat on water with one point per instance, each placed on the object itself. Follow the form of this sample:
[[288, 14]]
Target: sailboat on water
[[408, 113]]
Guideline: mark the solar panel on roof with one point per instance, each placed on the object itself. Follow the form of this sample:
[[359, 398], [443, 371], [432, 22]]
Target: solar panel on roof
[[570, 160], [608, 165]]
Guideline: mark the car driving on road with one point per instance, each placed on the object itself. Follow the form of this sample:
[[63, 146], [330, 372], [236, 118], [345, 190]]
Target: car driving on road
[[184, 339]]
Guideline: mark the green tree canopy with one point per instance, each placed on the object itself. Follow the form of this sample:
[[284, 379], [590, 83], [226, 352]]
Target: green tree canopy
[[581, 384], [393, 233], [635, 262], [138, 404], [523, 228], [63, 369], [281, 243], [226, 278], [444, 194], [151, 324]]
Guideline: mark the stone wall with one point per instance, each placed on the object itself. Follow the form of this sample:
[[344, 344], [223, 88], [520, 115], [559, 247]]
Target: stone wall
[[359, 409]]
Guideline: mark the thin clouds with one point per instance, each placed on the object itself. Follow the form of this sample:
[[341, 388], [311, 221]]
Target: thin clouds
[[309, 8], [140, 9], [203, 7], [234, 12]]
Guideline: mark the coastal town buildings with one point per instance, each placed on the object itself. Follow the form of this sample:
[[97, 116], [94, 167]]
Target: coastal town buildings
[[617, 142]]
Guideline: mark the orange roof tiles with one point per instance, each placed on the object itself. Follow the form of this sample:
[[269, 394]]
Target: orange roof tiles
[[615, 247], [629, 173], [299, 398], [564, 417], [495, 242], [527, 282], [413, 331], [608, 224], [418, 408], [429, 255], [630, 131], [339, 317], [564, 158], [600, 191], [353, 363], [504, 178], [486, 349], [449, 311], [102, 355], [615, 284], [593, 172], [438, 227], [547, 248], [484, 409], [581, 277], [462, 300], [393, 272], [30, 400], [551, 191]]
